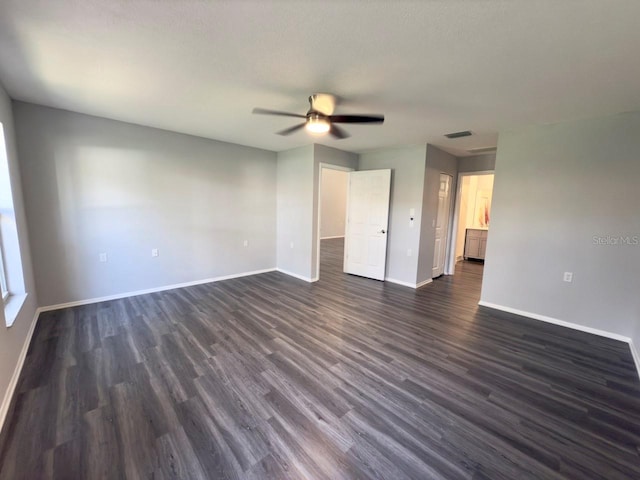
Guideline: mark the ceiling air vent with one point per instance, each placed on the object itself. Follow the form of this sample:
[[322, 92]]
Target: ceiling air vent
[[466, 133]]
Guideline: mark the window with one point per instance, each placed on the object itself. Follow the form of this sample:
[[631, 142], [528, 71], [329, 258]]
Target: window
[[13, 293], [4, 289], [6, 205]]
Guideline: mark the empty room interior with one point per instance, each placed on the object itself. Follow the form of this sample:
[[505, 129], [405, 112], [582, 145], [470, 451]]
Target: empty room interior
[[320, 240]]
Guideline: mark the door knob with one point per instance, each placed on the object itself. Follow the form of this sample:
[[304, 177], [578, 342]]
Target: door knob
[[382, 231]]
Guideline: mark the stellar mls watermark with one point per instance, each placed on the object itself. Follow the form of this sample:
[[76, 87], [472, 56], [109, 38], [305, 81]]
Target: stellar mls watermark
[[616, 240]]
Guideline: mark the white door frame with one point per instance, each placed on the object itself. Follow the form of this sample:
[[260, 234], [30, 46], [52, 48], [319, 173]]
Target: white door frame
[[328, 166], [450, 262]]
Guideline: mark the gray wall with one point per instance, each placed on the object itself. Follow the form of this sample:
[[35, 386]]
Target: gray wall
[[333, 202], [407, 179], [438, 161], [558, 190], [94, 185], [477, 163], [13, 339], [295, 211]]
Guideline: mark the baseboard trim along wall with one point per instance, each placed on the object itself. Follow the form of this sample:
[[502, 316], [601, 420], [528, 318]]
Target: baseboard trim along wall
[[329, 238], [408, 284], [574, 326], [424, 282], [13, 383], [152, 290], [636, 356], [295, 275]]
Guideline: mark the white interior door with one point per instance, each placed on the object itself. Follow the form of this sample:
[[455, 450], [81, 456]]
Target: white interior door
[[442, 224], [365, 249]]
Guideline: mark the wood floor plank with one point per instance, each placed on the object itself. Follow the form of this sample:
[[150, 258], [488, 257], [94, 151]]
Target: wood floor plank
[[240, 429], [176, 458], [270, 469], [136, 432], [269, 377], [208, 443], [100, 456]]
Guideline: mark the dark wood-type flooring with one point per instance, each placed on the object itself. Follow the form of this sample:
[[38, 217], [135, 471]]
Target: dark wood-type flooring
[[268, 377]]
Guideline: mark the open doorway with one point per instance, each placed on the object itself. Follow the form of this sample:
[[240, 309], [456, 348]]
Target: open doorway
[[332, 212], [472, 219]]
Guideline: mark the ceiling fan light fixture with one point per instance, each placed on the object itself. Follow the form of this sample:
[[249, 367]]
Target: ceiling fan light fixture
[[317, 124], [319, 120]]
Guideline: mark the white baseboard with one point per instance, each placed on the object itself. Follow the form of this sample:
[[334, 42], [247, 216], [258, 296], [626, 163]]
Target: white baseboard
[[555, 321], [152, 290], [574, 326], [407, 284], [295, 275], [13, 383], [635, 355], [399, 282], [329, 238], [424, 282]]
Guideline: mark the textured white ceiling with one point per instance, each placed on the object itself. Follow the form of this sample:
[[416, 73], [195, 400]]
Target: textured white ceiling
[[431, 67]]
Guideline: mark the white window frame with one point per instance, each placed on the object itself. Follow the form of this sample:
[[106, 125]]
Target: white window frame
[[4, 288]]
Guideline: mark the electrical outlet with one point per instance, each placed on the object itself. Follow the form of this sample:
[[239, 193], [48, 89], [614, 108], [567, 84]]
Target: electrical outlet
[[246, 243], [154, 252], [568, 277], [291, 244], [409, 252], [102, 257]]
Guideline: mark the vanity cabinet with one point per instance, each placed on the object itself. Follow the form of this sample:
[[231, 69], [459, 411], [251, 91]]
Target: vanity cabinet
[[475, 243]]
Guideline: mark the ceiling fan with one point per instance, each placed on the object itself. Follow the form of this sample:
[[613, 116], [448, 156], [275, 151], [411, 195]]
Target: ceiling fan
[[320, 119]]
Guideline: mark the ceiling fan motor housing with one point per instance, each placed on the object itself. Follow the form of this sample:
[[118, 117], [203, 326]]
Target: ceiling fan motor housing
[[323, 103]]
